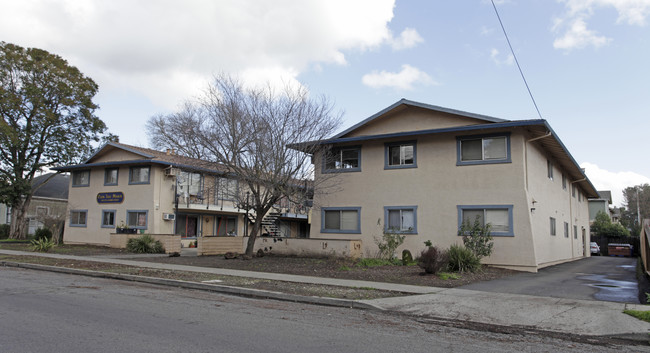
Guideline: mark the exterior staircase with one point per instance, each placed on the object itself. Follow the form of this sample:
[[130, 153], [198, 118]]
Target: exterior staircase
[[269, 223]]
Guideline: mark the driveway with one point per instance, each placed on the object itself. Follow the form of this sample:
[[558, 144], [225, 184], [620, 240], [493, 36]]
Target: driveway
[[594, 278]]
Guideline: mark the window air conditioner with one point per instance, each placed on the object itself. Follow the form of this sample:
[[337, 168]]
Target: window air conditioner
[[169, 216]]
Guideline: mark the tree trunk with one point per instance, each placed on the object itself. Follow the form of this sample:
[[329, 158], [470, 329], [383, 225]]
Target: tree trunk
[[257, 229], [18, 228]]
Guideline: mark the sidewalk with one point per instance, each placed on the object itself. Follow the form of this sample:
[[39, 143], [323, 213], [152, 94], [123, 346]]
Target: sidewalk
[[521, 312]]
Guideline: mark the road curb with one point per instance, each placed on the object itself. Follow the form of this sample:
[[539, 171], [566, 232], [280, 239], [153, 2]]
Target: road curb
[[246, 292]]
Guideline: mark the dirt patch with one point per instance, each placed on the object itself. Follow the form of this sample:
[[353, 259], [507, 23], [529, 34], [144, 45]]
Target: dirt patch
[[65, 249]]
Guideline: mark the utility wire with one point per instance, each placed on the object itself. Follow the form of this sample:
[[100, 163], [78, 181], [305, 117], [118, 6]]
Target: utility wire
[[516, 61]]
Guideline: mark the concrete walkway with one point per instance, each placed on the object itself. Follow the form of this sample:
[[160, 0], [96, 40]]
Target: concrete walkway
[[563, 316]]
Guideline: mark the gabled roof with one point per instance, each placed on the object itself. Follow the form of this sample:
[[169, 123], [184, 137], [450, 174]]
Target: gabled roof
[[149, 156], [411, 103], [56, 186]]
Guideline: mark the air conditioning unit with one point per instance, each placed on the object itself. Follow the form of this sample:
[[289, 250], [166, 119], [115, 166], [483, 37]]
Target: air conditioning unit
[[172, 171], [169, 216]]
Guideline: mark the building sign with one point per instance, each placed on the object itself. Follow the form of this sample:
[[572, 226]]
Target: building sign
[[110, 197]]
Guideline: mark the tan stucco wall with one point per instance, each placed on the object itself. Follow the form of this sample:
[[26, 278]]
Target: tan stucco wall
[[411, 119]]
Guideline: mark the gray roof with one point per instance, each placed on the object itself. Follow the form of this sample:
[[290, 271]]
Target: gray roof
[[51, 185], [606, 195]]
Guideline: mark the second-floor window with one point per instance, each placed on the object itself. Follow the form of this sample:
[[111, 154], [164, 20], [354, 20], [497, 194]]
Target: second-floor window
[[81, 178], [227, 189], [400, 155], [110, 176], [483, 149], [343, 159], [189, 183], [139, 175]]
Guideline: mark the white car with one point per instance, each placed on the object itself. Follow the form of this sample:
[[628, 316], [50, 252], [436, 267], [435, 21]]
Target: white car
[[595, 249]]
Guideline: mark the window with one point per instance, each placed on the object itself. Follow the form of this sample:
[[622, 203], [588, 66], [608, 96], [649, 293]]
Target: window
[[498, 216], [566, 229], [81, 178], [579, 196], [139, 175], [573, 190], [110, 176], [343, 159], [189, 183], [108, 219], [483, 149], [549, 169], [400, 155], [575, 232], [563, 181], [401, 219], [341, 220], [552, 226], [78, 218], [137, 219], [42, 211], [226, 225], [227, 189]]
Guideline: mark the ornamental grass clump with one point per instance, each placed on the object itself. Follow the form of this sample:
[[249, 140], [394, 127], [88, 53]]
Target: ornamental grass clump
[[145, 244], [462, 259], [42, 244]]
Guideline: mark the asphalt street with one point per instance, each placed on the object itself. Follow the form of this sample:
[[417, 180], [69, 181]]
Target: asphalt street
[[594, 278], [53, 312]]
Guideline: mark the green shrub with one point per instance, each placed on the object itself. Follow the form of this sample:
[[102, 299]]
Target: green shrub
[[41, 233], [432, 260], [145, 244], [407, 258], [4, 231], [42, 244], [462, 259], [477, 238], [388, 243]]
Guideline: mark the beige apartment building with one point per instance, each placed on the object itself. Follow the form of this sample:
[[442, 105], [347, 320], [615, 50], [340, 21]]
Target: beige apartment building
[[162, 193], [422, 169]]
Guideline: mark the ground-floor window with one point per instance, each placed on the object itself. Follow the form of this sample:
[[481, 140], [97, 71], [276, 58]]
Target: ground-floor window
[[226, 225], [78, 218], [187, 226], [137, 219], [402, 219], [498, 216], [552, 225], [341, 220], [108, 219]]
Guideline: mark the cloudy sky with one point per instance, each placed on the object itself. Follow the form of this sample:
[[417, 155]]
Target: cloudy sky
[[586, 61]]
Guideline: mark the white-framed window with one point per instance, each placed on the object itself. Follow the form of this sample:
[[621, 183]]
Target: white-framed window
[[139, 175], [341, 219], [401, 219], [566, 229], [549, 169], [400, 155], [342, 159], [78, 218], [108, 219], [81, 178], [137, 219], [111, 176], [498, 216], [483, 149], [227, 189], [552, 225]]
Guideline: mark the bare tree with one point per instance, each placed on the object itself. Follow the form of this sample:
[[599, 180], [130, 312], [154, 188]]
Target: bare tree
[[247, 131]]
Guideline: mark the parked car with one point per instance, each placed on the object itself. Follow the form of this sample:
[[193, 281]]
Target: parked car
[[595, 249]]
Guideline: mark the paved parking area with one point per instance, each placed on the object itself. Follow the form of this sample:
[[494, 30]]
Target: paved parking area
[[595, 278]]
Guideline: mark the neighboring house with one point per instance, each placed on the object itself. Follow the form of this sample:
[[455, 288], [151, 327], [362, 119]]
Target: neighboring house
[[600, 204], [422, 169], [49, 201], [162, 193]]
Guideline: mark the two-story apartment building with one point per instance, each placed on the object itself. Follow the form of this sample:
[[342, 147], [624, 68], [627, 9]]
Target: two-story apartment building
[[162, 193], [422, 169]]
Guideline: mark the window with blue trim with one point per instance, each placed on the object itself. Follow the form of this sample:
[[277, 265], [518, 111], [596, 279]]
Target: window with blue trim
[[401, 219], [111, 176], [137, 219], [78, 218], [342, 159], [484, 149], [498, 216], [400, 155], [108, 219], [139, 175], [341, 220], [81, 178]]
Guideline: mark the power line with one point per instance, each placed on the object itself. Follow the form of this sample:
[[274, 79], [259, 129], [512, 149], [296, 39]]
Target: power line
[[516, 61]]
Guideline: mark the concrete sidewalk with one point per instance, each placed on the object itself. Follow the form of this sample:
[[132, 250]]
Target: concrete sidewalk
[[522, 312]]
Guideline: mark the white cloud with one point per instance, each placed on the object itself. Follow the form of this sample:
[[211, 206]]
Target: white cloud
[[408, 39], [613, 181], [165, 50], [574, 21], [403, 80], [494, 55]]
